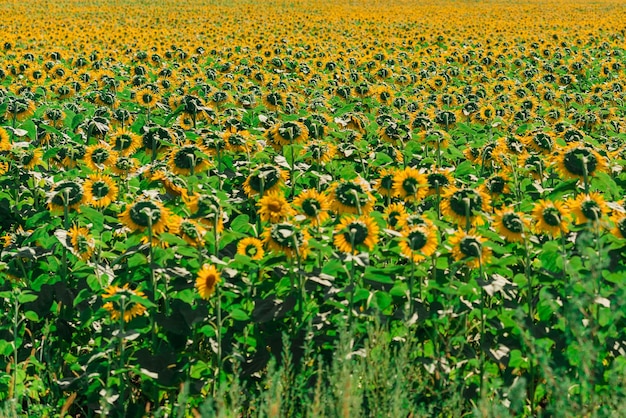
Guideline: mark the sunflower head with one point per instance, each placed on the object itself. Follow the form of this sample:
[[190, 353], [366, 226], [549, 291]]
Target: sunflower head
[[578, 161], [550, 217], [464, 205], [314, 205], [123, 302], [66, 193], [351, 196], [354, 233], [144, 214], [207, 281], [263, 179], [288, 238], [510, 224], [418, 242], [588, 207], [251, 247], [468, 247]]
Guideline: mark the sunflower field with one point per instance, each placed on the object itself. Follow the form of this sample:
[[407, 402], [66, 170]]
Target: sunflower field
[[306, 208]]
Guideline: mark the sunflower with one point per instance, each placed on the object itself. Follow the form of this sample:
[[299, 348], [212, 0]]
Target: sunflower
[[100, 156], [251, 247], [351, 196], [287, 133], [410, 185], [54, 116], [540, 142], [265, 178], [384, 184], [464, 205], [237, 141], [468, 247], [393, 213], [577, 160], [273, 207], [124, 166], [100, 190], [124, 302], [550, 217], [147, 98], [188, 159], [619, 220], [19, 108], [273, 101], [82, 243], [498, 184], [172, 184], [5, 140], [418, 242], [28, 159], [67, 192], [314, 205], [189, 230], [512, 225], [288, 238], [355, 232], [124, 141], [141, 214], [588, 207], [320, 152], [438, 180]]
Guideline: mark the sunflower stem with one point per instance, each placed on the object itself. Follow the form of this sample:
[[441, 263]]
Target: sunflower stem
[[586, 175], [482, 328], [218, 308], [121, 364], [531, 322]]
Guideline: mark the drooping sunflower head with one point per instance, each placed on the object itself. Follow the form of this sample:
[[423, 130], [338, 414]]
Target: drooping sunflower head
[[188, 159], [469, 247], [265, 178], [418, 242], [68, 193], [577, 161], [588, 207], [100, 190], [438, 181], [144, 214], [125, 142], [287, 238], [513, 226], [314, 205], [619, 222], [287, 133], [393, 213], [384, 184], [123, 303], [498, 184], [353, 233], [550, 217], [83, 244], [540, 142], [410, 184], [251, 247], [320, 152], [464, 205], [100, 156], [351, 196]]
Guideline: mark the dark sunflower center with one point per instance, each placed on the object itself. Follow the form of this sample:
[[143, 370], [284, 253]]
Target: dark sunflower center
[[543, 142], [68, 193], [99, 189], [591, 209], [267, 176], [465, 202], [496, 184], [145, 213], [410, 185], [437, 180], [417, 240], [274, 99], [27, 157], [551, 216], [393, 218], [147, 98], [513, 223], [290, 131], [387, 182], [189, 229], [357, 233], [470, 247], [311, 207], [185, 158], [124, 164], [579, 159], [236, 140], [445, 118], [350, 194], [100, 155], [123, 142]]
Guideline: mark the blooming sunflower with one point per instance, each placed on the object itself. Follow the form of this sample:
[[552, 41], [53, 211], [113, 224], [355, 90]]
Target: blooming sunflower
[[66, 192], [355, 232], [577, 160], [141, 214], [619, 220], [384, 184], [207, 280], [314, 205], [147, 98], [512, 225], [5, 140], [410, 185], [123, 302], [82, 243], [351, 196], [100, 156], [438, 180], [393, 213], [550, 217], [418, 242], [124, 141], [188, 159], [251, 247], [287, 133], [237, 141], [273, 207], [464, 205], [189, 230], [588, 207], [498, 184], [288, 238], [265, 178], [468, 247], [28, 159], [124, 166], [100, 190]]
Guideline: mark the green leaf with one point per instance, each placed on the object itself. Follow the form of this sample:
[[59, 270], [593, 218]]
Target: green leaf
[[26, 297], [241, 224], [93, 216], [239, 315], [383, 300]]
